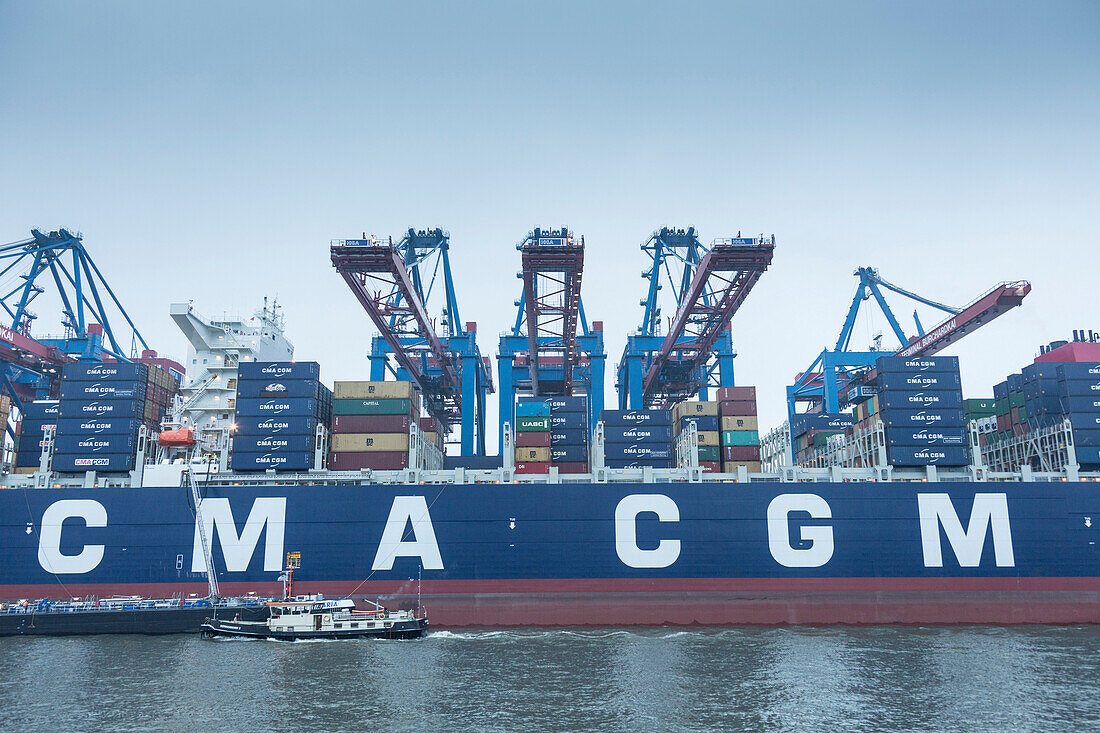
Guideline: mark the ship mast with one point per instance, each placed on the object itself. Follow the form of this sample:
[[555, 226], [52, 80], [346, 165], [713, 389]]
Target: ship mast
[[211, 579]]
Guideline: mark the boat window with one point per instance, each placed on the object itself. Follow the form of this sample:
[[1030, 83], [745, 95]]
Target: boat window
[[337, 626]]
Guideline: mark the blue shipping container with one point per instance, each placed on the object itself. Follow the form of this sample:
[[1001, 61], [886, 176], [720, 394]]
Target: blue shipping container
[[1000, 391], [253, 388], [936, 436], [272, 443], [1085, 420], [1079, 370], [101, 408], [924, 418], [568, 404], [638, 434], [569, 453], [95, 444], [1088, 456], [918, 381], [569, 421], [569, 437], [702, 422], [1040, 370], [1074, 405], [627, 418], [1079, 388], [278, 370], [1015, 382], [282, 425], [277, 460], [104, 372], [804, 422], [40, 410], [103, 390], [34, 427], [907, 400], [917, 364], [532, 409], [638, 462], [918, 456], [647, 451], [1086, 438], [1040, 388], [97, 426], [277, 406], [27, 458], [108, 462]]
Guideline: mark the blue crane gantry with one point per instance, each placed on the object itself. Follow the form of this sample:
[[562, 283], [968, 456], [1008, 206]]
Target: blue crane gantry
[[389, 281], [30, 366], [543, 355], [823, 386], [710, 287]]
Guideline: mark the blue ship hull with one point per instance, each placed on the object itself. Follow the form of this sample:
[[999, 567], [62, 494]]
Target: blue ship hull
[[499, 554]]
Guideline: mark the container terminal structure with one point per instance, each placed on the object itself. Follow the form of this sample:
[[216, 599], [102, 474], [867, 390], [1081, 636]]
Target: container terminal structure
[[847, 542]]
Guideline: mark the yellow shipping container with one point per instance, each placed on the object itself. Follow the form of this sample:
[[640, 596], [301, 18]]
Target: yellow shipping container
[[731, 466], [733, 422], [529, 455], [366, 390], [709, 437], [392, 442], [695, 407]]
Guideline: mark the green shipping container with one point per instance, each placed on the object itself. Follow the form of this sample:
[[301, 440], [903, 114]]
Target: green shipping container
[[710, 453], [372, 407], [1001, 407], [1015, 399], [532, 424], [1023, 414], [740, 437]]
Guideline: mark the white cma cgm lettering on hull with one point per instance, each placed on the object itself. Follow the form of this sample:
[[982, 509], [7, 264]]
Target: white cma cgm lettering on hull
[[820, 537], [50, 556], [217, 517], [936, 510], [406, 509]]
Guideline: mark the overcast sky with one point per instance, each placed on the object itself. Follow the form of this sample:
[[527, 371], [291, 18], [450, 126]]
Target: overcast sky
[[210, 153]]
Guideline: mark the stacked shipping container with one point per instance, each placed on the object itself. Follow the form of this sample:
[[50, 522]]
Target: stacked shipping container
[[371, 425], [636, 438], [708, 429], [28, 450], [920, 402], [569, 434], [532, 436], [737, 415], [101, 410], [278, 408], [811, 430]]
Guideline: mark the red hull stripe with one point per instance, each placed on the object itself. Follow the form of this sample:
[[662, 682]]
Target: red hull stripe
[[558, 602]]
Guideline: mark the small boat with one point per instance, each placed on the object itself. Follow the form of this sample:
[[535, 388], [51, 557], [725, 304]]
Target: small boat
[[313, 617]]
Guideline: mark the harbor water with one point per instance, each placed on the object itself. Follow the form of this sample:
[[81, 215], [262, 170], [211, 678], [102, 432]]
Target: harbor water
[[829, 678]]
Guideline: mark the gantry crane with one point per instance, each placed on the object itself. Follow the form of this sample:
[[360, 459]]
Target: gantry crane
[[824, 386], [710, 285], [394, 284], [544, 355], [57, 260]]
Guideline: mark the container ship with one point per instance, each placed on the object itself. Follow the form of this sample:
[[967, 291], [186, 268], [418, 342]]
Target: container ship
[[893, 500]]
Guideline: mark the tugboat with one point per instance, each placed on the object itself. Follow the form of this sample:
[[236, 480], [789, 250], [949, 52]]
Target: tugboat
[[313, 617]]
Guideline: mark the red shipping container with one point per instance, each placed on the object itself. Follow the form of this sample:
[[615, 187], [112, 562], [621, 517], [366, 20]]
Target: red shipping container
[[376, 460], [532, 440], [429, 424], [371, 423], [727, 394], [738, 408], [533, 467], [1015, 415], [712, 466], [741, 453], [571, 467]]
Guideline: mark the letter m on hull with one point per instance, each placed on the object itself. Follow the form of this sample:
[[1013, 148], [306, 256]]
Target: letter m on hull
[[267, 517], [990, 511]]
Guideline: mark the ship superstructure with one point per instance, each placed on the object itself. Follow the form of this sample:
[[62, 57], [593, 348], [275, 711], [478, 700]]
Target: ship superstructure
[[215, 347]]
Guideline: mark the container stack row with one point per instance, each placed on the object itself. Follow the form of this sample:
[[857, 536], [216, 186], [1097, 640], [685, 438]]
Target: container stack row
[[28, 448], [101, 410], [637, 438], [708, 429], [278, 408], [737, 414], [920, 401], [810, 431], [982, 411], [569, 434], [532, 436], [371, 424]]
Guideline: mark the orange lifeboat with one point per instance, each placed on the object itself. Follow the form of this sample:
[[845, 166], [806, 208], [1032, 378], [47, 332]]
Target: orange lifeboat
[[177, 438]]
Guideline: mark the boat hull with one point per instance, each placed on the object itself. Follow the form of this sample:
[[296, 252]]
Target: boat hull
[[576, 554], [213, 628], [138, 621]]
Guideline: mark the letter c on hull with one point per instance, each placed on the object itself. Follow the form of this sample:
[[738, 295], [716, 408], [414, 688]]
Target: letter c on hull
[[50, 556], [626, 531]]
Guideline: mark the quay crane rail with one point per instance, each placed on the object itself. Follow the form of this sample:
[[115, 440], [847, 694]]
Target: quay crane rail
[[389, 280], [712, 284]]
